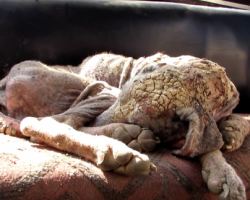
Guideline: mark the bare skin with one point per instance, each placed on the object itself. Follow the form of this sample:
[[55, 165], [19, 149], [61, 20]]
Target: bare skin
[[196, 91], [163, 96], [180, 98]]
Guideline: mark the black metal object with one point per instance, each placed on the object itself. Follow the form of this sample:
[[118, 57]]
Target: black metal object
[[66, 31]]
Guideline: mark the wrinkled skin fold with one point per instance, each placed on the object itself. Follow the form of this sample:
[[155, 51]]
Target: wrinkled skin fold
[[137, 102]]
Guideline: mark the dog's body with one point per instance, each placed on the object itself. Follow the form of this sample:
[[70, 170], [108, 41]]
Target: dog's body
[[160, 94]]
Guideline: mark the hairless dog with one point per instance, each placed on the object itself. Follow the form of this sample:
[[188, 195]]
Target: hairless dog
[[137, 103]]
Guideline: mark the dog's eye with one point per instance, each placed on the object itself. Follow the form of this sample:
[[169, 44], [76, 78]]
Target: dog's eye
[[151, 68]]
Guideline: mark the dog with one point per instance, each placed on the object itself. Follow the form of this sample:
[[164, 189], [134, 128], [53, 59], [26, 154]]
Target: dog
[[137, 103]]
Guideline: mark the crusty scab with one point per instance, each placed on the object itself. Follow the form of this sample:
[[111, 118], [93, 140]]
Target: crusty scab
[[152, 99]]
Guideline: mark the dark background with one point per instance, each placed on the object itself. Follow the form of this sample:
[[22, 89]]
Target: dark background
[[65, 32]]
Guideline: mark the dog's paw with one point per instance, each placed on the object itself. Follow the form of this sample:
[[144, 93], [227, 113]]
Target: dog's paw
[[222, 179], [135, 137], [115, 155], [10, 126], [233, 128]]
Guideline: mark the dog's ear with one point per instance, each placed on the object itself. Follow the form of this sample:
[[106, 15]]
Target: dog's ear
[[211, 138], [203, 134]]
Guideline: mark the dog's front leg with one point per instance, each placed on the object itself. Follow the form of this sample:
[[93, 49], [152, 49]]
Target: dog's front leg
[[221, 178], [107, 153]]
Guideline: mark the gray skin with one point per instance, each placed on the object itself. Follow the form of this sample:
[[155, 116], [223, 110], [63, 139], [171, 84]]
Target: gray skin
[[164, 99]]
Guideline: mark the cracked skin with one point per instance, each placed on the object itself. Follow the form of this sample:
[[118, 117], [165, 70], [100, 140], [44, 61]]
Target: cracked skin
[[155, 98], [162, 97]]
